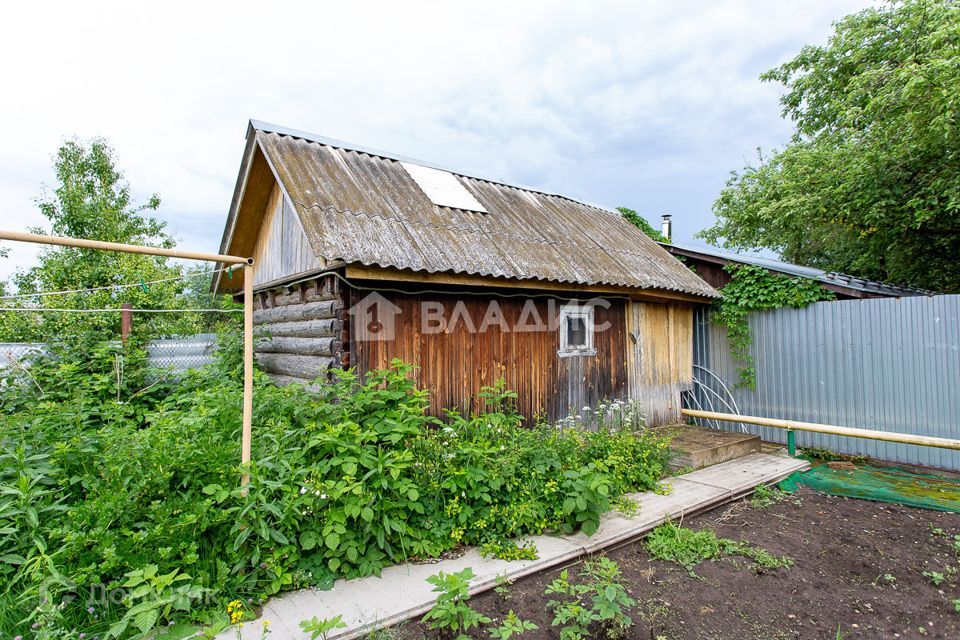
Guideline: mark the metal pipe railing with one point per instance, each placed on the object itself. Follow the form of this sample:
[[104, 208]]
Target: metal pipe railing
[[813, 427], [83, 243]]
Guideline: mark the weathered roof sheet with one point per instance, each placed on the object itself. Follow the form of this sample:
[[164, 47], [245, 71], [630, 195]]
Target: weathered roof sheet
[[361, 206], [827, 277]]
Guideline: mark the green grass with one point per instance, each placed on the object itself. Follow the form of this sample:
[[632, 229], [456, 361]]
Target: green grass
[[765, 496], [688, 548]]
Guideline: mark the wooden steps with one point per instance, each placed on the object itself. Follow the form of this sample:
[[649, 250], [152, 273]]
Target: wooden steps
[[698, 447]]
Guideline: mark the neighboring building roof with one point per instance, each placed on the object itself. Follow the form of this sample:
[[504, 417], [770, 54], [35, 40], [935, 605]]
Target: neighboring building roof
[[832, 279], [360, 206]]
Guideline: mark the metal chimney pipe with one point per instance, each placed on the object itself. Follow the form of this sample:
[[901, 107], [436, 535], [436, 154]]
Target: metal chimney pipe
[[666, 227]]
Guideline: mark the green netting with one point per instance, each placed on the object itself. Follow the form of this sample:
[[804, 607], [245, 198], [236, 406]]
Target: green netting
[[881, 484]]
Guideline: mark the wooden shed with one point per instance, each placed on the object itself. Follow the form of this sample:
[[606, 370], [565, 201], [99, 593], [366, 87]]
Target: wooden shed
[[363, 256]]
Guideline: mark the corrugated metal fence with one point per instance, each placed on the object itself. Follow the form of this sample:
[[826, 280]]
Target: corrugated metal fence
[[891, 364], [179, 354]]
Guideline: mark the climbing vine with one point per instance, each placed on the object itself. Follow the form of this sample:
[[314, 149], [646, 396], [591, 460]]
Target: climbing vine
[[754, 288]]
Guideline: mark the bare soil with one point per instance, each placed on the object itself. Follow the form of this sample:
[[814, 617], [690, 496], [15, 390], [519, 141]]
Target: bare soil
[[858, 567]]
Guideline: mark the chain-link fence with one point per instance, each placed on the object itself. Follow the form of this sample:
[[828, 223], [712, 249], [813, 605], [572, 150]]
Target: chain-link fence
[[178, 354]]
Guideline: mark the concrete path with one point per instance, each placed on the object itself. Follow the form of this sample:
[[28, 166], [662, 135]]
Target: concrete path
[[401, 592]]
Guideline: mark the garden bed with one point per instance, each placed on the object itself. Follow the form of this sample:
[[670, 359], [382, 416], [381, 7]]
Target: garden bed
[[858, 566]]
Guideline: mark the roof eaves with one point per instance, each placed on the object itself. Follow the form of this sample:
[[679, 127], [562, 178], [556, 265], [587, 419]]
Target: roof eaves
[[242, 175], [834, 278]]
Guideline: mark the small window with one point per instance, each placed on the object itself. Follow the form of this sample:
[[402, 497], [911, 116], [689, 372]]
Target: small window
[[576, 331]]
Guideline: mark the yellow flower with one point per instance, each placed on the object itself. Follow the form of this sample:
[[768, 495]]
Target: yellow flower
[[266, 623]]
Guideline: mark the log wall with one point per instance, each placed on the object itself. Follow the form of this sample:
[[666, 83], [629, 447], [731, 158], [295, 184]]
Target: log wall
[[300, 330]]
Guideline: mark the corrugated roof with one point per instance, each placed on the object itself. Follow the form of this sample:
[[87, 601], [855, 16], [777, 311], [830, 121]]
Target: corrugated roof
[[361, 206], [827, 277]]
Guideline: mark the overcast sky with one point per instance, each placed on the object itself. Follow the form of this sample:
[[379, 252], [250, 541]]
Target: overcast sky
[[643, 104]]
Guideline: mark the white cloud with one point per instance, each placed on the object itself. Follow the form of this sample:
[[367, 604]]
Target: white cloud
[[638, 103]]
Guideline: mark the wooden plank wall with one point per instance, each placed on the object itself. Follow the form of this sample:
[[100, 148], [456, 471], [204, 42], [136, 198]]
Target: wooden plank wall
[[456, 363], [646, 353], [282, 247], [660, 357]]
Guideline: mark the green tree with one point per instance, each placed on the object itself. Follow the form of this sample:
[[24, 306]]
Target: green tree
[[93, 200], [641, 223], [870, 182]]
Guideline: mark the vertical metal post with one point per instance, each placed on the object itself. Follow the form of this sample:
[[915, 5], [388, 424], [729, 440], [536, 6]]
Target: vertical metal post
[[791, 442], [126, 321], [247, 372]]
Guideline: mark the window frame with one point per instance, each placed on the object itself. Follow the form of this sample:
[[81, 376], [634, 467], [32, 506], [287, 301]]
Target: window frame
[[584, 312]]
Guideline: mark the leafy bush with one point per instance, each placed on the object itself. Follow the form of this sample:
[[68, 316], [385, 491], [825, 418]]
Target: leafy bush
[[120, 506], [598, 601], [450, 613], [641, 223], [151, 596], [512, 626], [935, 577], [609, 599], [765, 496], [453, 617], [686, 547]]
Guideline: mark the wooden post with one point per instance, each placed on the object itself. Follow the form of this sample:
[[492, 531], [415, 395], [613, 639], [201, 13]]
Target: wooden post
[[247, 263], [126, 321], [247, 372]]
